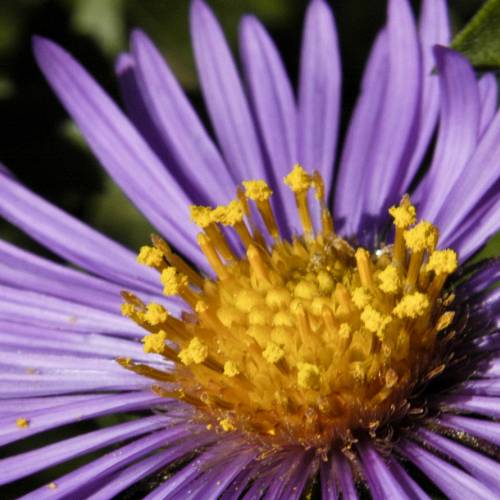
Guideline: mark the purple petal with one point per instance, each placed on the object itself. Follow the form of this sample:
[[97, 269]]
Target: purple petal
[[479, 387], [479, 176], [27, 463], [72, 239], [224, 96], [488, 94], [274, 105], [119, 147], [483, 468], [406, 482], [382, 482], [481, 224], [130, 475], [25, 270], [359, 139], [43, 419], [213, 482], [29, 385], [327, 479], [23, 306], [319, 91], [454, 482], [489, 431], [395, 136], [458, 129], [17, 336], [474, 404], [126, 73], [201, 169], [344, 476], [434, 29]]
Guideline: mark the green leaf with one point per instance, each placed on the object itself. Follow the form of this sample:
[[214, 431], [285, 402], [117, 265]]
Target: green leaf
[[479, 41]]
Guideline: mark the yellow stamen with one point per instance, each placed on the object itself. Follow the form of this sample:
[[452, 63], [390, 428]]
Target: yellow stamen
[[195, 353], [308, 341]]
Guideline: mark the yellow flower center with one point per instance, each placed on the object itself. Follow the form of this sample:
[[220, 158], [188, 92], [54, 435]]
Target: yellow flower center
[[305, 341]]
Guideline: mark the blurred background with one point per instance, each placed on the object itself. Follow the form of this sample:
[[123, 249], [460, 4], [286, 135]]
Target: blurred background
[[45, 151], [41, 145]]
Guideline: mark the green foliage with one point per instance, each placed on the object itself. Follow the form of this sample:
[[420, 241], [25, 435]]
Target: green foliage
[[479, 41]]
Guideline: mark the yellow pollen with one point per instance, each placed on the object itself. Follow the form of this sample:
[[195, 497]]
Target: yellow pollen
[[273, 353], [155, 314], [230, 214], [361, 297], [128, 310], [443, 262], [404, 215], [257, 190], [22, 423], [173, 281], [231, 369], [195, 353], [201, 216], [421, 237], [150, 256], [227, 425], [298, 180], [155, 342], [52, 486], [374, 321], [412, 306], [308, 341], [308, 376], [389, 279]]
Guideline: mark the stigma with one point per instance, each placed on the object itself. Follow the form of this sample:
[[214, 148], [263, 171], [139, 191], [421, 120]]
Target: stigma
[[304, 341]]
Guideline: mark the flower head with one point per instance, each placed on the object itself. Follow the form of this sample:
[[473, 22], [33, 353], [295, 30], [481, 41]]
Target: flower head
[[288, 341]]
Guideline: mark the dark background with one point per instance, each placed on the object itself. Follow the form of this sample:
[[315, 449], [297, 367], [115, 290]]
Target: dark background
[[44, 150]]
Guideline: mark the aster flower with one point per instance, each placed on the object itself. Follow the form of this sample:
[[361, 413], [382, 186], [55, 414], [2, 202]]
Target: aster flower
[[291, 345]]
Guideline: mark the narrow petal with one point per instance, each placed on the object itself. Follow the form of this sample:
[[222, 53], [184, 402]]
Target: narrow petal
[[201, 170], [224, 96], [126, 73], [483, 468], [489, 387], [488, 94], [434, 30], [359, 139], [23, 306], [454, 482], [134, 473], [319, 91], [489, 431], [395, 138], [473, 404], [481, 224], [42, 420], [32, 385], [479, 177], [213, 482], [119, 147], [23, 269], [70, 238], [406, 482], [458, 129], [274, 105], [327, 478], [382, 482], [345, 479], [27, 463]]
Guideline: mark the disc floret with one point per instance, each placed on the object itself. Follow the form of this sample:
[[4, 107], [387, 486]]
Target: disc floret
[[305, 341]]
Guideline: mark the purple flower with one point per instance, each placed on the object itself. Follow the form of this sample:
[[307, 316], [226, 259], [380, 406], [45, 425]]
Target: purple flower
[[292, 351]]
